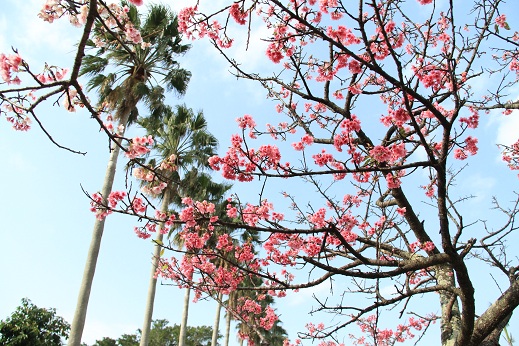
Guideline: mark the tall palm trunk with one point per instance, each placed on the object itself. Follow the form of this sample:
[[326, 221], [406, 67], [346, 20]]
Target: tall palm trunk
[[227, 328], [78, 323], [150, 300], [216, 326], [183, 324]]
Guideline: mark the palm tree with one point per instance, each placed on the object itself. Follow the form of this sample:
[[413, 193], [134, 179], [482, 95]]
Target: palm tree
[[135, 72], [213, 192], [274, 336], [247, 236], [216, 325], [181, 135]]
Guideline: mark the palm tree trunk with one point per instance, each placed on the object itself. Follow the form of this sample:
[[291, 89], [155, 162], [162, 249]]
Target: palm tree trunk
[[216, 326], [78, 323], [150, 300], [183, 324], [227, 327]]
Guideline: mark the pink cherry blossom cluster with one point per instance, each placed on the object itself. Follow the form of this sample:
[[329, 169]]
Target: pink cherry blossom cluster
[[9, 64], [145, 232], [71, 100], [116, 18], [306, 140], [154, 189], [431, 75], [195, 210], [389, 154], [224, 279], [427, 246], [473, 120], [393, 180], [192, 23], [247, 121], [55, 9], [386, 37], [20, 122], [470, 147], [155, 183], [238, 14], [417, 278], [388, 337], [253, 214], [101, 208], [113, 15], [501, 21], [511, 156], [251, 312], [139, 146], [238, 164], [51, 74]]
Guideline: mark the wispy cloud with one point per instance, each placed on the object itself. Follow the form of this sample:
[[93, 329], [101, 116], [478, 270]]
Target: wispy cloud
[[304, 295], [507, 129]]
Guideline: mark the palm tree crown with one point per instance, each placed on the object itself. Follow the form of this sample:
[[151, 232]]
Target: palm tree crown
[[181, 140], [134, 72]]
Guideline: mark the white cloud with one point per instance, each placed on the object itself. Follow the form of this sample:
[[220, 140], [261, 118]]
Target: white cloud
[[388, 291], [507, 129], [481, 187], [307, 294], [19, 164]]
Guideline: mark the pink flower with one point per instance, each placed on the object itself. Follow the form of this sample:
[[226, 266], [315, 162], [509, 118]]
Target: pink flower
[[501, 21], [238, 15], [428, 246], [137, 2], [393, 182], [460, 154], [274, 52], [471, 145]]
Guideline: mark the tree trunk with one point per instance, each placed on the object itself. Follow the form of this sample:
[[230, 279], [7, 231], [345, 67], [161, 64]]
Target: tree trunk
[[450, 325], [183, 324], [78, 323], [216, 327], [227, 328], [150, 300]]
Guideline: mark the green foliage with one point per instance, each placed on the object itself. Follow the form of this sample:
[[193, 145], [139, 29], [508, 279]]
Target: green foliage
[[162, 334], [128, 340], [124, 75], [508, 337], [30, 325], [105, 342]]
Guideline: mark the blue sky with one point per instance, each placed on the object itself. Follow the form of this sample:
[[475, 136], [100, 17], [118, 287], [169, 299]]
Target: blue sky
[[46, 222]]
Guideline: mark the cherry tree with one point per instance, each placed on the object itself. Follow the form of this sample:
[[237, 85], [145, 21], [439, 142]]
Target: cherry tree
[[377, 112]]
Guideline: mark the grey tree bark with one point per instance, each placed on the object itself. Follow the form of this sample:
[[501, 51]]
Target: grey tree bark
[[150, 299], [183, 324], [78, 322], [227, 329], [216, 326]]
